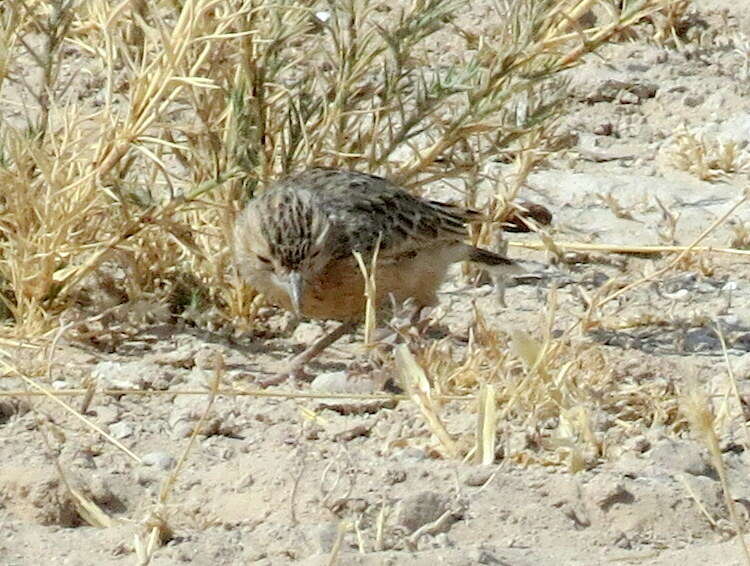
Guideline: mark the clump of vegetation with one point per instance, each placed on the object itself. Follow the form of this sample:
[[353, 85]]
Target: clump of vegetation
[[132, 133], [707, 159]]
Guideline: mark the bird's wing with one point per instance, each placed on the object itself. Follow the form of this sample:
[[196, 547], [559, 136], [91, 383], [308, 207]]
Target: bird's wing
[[367, 209]]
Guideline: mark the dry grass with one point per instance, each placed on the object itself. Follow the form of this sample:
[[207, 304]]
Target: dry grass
[[709, 160], [139, 130]]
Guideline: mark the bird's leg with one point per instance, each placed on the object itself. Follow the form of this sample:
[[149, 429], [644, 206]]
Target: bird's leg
[[317, 348], [419, 319], [406, 317], [296, 367]]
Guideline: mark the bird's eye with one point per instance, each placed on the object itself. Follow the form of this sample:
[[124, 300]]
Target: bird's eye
[[265, 260]]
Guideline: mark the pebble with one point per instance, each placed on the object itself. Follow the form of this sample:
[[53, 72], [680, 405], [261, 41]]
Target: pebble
[[681, 456], [132, 375], [120, 429], [627, 97], [691, 101], [341, 382], [107, 414], [392, 477], [606, 491], [307, 333], [478, 477], [158, 459], [323, 537], [206, 358], [417, 510]]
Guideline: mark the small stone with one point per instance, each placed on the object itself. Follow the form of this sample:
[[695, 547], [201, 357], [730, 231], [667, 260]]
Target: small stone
[[627, 97], [659, 57], [182, 357], [691, 101], [636, 445], [342, 382], [146, 478], [245, 482], [323, 15], [483, 556], [392, 477], [420, 509], [132, 375], [106, 414], [680, 295], [742, 342], [643, 90], [307, 333], [605, 129], [681, 456], [410, 453], [182, 430], [351, 431], [442, 540], [206, 358], [161, 460], [121, 429], [323, 537], [99, 489], [606, 491], [478, 477], [606, 91]]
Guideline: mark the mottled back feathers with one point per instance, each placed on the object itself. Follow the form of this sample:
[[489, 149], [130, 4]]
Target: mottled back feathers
[[352, 211]]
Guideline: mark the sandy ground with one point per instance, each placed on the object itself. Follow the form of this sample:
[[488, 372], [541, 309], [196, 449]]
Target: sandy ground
[[279, 481]]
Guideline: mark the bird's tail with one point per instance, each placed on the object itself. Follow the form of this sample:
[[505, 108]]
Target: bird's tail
[[486, 257]]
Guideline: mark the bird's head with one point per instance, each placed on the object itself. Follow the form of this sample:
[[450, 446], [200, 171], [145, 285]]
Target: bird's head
[[282, 237]]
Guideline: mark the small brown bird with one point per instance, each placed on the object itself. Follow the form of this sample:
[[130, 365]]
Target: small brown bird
[[294, 243]]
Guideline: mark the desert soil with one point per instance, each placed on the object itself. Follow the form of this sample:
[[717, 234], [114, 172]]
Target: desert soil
[[274, 480]]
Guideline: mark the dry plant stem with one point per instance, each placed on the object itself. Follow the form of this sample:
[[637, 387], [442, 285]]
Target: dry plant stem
[[435, 526], [623, 249], [698, 502], [47, 393], [296, 478], [166, 489], [133, 228], [238, 393], [298, 363], [370, 291], [733, 383], [343, 527], [145, 551], [415, 382], [486, 425], [715, 450], [262, 113], [659, 272], [702, 420], [380, 527]]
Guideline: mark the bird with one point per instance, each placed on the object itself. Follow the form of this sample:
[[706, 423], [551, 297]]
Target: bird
[[295, 244]]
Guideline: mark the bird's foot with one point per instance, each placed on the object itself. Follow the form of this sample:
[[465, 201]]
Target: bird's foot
[[294, 372]]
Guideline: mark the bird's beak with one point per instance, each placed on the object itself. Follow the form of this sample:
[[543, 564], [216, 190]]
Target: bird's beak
[[294, 286]]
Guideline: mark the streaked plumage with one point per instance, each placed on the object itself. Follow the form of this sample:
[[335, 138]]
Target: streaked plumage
[[295, 243]]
